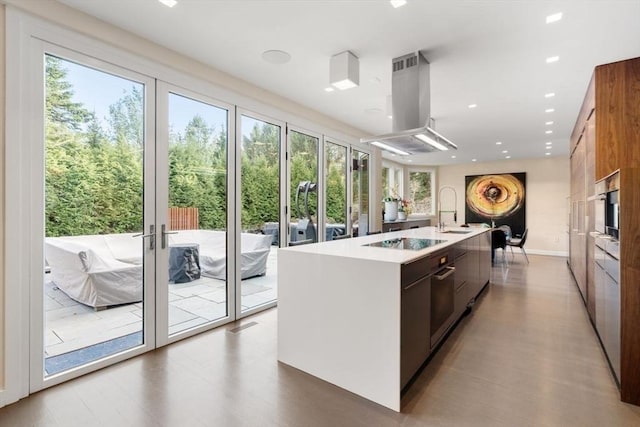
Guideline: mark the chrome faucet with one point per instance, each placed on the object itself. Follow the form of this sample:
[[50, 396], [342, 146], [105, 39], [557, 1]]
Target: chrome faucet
[[455, 206]]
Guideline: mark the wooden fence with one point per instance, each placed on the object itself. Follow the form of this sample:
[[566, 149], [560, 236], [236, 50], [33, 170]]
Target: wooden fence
[[184, 219]]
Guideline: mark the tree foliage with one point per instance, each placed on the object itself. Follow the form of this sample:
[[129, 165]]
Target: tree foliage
[[94, 170]]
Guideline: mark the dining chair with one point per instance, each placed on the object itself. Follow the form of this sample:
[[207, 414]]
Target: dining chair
[[498, 241], [519, 243], [507, 231]]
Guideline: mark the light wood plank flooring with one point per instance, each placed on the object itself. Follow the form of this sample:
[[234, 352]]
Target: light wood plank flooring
[[526, 356]]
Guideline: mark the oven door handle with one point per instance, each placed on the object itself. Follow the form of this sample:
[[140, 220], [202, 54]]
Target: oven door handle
[[450, 271]]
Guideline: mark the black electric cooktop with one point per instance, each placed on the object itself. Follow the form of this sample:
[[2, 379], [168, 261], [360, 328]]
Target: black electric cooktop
[[406, 243]]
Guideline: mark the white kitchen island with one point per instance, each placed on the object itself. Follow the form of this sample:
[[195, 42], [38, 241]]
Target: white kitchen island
[[339, 307]]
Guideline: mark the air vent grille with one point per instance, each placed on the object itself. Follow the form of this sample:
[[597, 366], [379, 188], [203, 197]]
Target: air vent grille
[[412, 61], [398, 65]]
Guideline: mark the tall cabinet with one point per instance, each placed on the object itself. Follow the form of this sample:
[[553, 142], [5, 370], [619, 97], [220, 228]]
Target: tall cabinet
[[606, 138]]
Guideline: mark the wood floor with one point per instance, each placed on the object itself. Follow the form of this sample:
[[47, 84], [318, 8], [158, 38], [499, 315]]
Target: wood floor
[[526, 356]]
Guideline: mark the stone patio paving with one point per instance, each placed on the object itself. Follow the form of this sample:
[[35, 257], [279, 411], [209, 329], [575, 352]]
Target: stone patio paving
[[70, 325]]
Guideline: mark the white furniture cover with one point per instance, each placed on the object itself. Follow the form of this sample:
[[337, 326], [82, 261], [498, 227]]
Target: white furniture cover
[[103, 270]]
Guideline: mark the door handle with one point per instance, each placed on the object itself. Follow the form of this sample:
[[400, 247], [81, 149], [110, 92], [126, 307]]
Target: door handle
[[163, 230], [151, 235], [450, 271]]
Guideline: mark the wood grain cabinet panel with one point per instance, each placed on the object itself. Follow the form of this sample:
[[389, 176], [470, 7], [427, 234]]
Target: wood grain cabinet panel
[[618, 124], [608, 125]]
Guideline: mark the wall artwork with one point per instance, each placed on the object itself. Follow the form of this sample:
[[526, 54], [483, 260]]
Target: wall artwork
[[496, 197]]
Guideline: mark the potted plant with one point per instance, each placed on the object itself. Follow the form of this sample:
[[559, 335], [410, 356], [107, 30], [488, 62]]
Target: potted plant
[[403, 209]]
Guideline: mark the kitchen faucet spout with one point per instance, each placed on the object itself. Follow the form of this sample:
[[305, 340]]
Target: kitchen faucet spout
[[455, 206]]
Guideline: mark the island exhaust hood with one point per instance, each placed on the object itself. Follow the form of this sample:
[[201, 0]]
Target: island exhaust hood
[[411, 109]]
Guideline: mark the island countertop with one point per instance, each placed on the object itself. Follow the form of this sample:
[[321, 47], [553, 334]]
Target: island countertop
[[341, 305], [356, 247]]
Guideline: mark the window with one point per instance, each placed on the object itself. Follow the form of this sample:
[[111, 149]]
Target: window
[[392, 180], [421, 191]]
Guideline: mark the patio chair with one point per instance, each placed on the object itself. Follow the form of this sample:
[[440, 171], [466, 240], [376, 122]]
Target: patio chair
[[519, 243]]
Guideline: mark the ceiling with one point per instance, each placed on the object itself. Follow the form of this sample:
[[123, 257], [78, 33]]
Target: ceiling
[[489, 53]]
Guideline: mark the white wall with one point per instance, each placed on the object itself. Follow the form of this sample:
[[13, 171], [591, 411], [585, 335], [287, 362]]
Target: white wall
[[546, 197]]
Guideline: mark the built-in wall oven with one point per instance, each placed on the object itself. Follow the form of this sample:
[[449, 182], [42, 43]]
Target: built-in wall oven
[[612, 215], [607, 206], [442, 295]]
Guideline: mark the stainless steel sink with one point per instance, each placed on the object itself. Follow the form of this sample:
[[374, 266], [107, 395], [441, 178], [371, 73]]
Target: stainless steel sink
[[455, 231]]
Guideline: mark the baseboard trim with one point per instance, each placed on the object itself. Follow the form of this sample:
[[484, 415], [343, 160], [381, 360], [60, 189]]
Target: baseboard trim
[[543, 252]]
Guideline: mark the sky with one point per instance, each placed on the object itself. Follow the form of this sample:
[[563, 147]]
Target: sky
[[97, 90]]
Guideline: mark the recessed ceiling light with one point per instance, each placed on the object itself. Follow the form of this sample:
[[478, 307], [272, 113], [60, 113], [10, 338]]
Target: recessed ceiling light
[[397, 3], [549, 95], [391, 117], [507, 157], [548, 123], [548, 143], [548, 147], [474, 160], [393, 155], [169, 3], [547, 154], [453, 157], [549, 110], [409, 161], [498, 143], [505, 151], [554, 18], [329, 89], [548, 132], [552, 59], [473, 105], [276, 56]]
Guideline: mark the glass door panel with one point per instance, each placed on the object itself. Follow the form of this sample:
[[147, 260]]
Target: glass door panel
[[195, 231], [94, 299], [303, 151], [336, 190], [360, 193], [260, 212]]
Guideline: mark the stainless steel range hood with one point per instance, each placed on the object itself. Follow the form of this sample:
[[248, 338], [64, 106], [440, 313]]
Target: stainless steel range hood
[[411, 109]]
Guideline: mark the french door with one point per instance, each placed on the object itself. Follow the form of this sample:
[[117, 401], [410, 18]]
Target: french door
[[260, 211], [136, 213], [156, 211], [194, 169], [94, 168]]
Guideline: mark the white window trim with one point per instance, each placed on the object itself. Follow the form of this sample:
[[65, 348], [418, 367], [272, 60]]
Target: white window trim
[[393, 167]]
